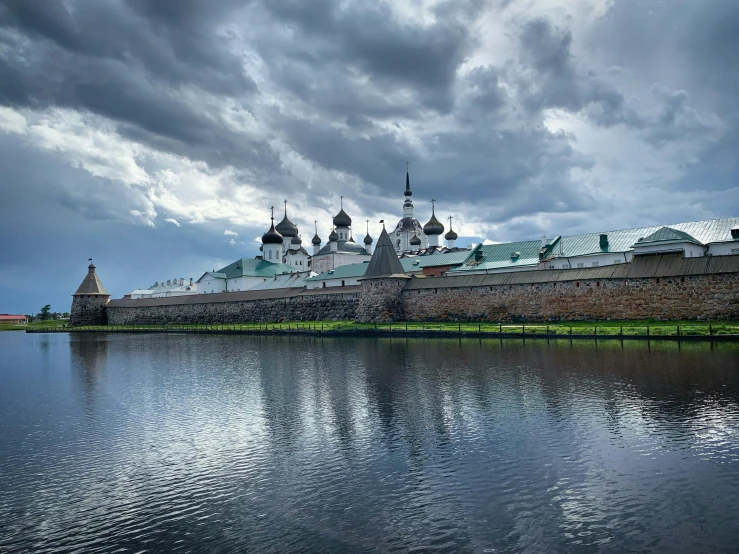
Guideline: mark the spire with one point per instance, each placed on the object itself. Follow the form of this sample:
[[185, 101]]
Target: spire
[[384, 262], [407, 182], [91, 284]]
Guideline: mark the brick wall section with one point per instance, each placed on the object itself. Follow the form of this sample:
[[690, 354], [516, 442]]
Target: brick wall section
[[88, 310], [709, 297], [267, 310], [381, 300]]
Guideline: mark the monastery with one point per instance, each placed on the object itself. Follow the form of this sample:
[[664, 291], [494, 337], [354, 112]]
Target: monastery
[[341, 261]]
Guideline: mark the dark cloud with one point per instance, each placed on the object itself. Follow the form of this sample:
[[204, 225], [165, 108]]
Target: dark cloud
[[552, 79]]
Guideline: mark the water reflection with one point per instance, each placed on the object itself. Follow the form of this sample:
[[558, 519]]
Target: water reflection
[[167, 442]]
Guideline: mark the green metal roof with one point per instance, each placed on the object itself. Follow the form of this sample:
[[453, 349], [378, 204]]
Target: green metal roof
[[414, 263], [342, 272], [712, 230], [246, 267], [667, 234], [499, 256]]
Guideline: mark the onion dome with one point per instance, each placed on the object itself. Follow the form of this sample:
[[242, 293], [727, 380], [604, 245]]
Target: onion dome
[[296, 240], [342, 219], [272, 236], [433, 227], [451, 235], [333, 237], [415, 241], [316, 240], [367, 239], [287, 228]]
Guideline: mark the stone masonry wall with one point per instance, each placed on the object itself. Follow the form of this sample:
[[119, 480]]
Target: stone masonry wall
[[298, 308], [88, 310], [381, 300], [708, 297]]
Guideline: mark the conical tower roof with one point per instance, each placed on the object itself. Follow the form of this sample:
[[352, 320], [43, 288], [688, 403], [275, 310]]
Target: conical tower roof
[[91, 284], [384, 262]]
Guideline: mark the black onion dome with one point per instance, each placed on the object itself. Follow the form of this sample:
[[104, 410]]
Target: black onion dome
[[287, 228], [451, 235], [342, 219], [367, 239], [272, 236], [433, 227], [333, 237], [415, 241], [296, 240], [316, 240]]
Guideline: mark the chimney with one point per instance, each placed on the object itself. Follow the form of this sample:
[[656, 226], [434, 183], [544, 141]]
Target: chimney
[[603, 240], [169, 282], [543, 241], [190, 281]]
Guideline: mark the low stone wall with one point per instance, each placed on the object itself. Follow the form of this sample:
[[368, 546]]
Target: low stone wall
[[579, 296], [294, 307]]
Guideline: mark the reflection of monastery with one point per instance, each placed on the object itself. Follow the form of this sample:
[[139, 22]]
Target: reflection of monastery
[[285, 263]]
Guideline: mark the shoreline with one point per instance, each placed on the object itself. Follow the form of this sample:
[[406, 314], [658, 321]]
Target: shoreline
[[401, 330]]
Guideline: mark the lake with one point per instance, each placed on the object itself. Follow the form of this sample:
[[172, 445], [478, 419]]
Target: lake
[[192, 443]]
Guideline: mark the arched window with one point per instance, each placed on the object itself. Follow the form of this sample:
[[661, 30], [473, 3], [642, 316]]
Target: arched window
[[270, 254]]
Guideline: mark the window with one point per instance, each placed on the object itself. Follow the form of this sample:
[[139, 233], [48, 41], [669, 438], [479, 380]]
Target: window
[[270, 254], [581, 264], [342, 283], [565, 266], [735, 250], [617, 261], [595, 264]]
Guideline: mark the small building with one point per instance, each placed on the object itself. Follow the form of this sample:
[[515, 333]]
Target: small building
[[241, 275], [10, 319]]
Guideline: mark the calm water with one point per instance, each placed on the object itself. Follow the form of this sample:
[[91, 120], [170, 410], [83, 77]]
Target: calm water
[[233, 444]]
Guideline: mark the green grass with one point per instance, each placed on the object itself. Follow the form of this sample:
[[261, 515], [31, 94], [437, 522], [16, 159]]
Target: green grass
[[627, 328], [40, 325]]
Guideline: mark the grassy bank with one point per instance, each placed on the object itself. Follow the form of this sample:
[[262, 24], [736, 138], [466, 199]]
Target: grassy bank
[[50, 325], [606, 328]]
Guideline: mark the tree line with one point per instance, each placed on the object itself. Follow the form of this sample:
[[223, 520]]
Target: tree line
[[45, 314]]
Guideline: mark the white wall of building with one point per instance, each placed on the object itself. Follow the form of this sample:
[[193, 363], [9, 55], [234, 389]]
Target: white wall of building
[[208, 284], [723, 248], [332, 260], [689, 249], [592, 260]]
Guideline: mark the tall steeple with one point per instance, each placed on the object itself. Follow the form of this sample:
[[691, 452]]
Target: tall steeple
[[407, 182], [407, 203]]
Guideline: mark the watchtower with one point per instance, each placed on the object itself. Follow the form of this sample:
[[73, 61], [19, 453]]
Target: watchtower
[[88, 303]]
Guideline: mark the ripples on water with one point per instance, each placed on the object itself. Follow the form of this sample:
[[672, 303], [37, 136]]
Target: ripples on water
[[225, 443]]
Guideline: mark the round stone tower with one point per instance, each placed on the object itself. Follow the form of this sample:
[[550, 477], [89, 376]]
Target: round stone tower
[[88, 303]]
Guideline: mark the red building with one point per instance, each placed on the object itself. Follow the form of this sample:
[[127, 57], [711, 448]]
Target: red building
[[8, 319]]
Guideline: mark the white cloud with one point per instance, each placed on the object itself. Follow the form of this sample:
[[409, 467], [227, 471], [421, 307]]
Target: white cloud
[[230, 233], [172, 221]]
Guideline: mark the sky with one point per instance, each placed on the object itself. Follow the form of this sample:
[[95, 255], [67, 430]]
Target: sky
[[154, 135]]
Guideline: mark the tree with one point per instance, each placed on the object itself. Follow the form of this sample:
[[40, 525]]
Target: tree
[[65, 315], [45, 313]]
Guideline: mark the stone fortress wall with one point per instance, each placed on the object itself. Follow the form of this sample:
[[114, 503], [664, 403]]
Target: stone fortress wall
[[659, 287], [238, 307]]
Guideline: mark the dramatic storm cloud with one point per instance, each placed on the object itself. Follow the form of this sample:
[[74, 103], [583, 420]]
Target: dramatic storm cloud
[[154, 135]]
